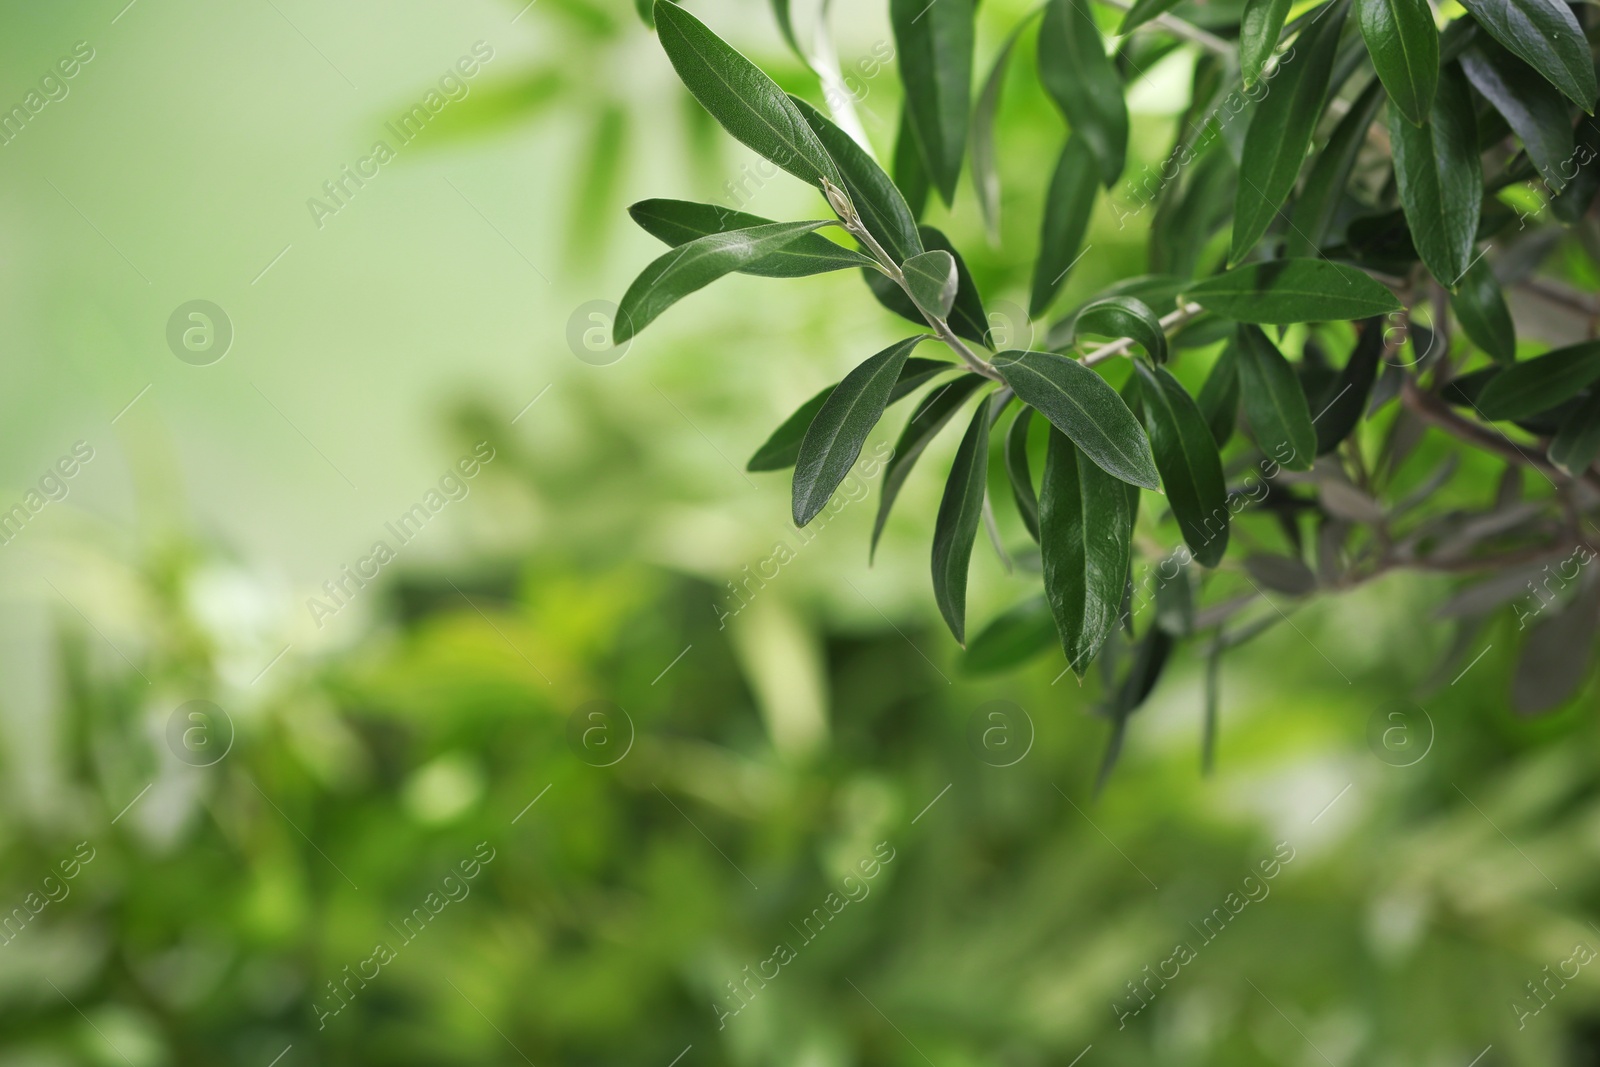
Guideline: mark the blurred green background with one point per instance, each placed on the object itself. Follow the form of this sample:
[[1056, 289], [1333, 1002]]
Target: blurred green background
[[547, 688]]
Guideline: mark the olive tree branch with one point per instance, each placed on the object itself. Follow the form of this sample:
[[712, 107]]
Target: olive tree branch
[[1180, 28], [1119, 347]]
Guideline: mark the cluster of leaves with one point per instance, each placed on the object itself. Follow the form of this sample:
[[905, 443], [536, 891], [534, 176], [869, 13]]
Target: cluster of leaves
[[1377, 249]]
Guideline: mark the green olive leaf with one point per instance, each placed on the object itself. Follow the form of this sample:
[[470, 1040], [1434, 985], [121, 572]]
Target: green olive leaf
[[1081, 79], [1527, 388], [1274, 401], [1441, 179], [1280, 292], [677, 222], [1547, 37], [956, 526], [1404, 44], [935, 42], [1190, 465], [936, 409], [1125, 316], [1080, 404], [1067, 206]]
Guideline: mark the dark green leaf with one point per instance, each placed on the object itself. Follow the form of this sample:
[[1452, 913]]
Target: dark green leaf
[[1577, 443], [780, 451], [1545, 35], [1576, 190], [1190, 466], [910, 176], [1280, 130], [1142, 12], [1440, 178], [1080, 404], [956, 526], [1481, 308], [1067, 205], [1260, 25], [967, 317], [879, 203], [780, 11], [741, 97], [1156, 290], [1082, 81], [678, 222], [1012, 639], [1281, 574], [1183, 225], [835, 436], [931, 281], [1274, 401], [935, 53], [1538, 114], [925, 423], [1557, 655], [985, 172], [1340, 408], [1404, 44], [1125, 316], [1175, 598], [1330, 174], [1219, 397], [1283, 291], [697, 264], [1527, 388], [1085, 531], [1017, 472], [1149, 660]]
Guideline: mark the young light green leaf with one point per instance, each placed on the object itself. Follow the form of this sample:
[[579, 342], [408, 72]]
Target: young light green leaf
[[1527, 388], [1012, 639], [1067, 205], [1280, 131], [1319, 197], [697, 264], [1125, 316], [1082, 81], [1404, 44], [1142, 12], [1279, 292], [985, 172], [1577, 443], [925, 423], [1260, 25], [956, 526], [932, 282], [1545, 36], [1219, 397], [741, 97], [1339, 409], [1018, 474], [1085, 533], [1537, 113], [1080, 404], [1274, 401], [835, 436], [677, 222], [780, 451], [883, 210], [1440, 178], [967, 317], [935, 42], [1481, 309], [1190, 466]]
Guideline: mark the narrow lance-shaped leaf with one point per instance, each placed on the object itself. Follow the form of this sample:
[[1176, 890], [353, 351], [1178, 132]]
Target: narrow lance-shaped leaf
[[1280, 131], [1545, 35], [1142, 12], [1081, 79], [956, 526], [1535, 385], [931, 281], [741, 97], [697, 264], [1330, 174], [1067, 205], [1339, 410], [1481, 308], [834, 439], [1283, 291], [1012, 639], [1404, 44], [1190, 466], [1577, 442], [1260, 25], [935, 42], [780, 11], [1125, 316], [780, 450], [1440, 178], [876, 199], [924, 425], [1085, 532], [985, 171], [967, 317], [1274, 402], [1536, 112], [1080, 404], [1219, 397], [677, 222], [1018, 474], [910, 173]]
